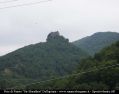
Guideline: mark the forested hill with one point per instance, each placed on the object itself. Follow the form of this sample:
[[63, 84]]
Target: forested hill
[[56, 57], [94, 43], [98, 73]]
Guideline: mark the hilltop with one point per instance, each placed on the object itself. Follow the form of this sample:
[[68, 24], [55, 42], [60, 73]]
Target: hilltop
[[94, 43], [53, 58]]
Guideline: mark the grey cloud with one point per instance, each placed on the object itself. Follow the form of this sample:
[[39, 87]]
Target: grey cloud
[[74, 18]]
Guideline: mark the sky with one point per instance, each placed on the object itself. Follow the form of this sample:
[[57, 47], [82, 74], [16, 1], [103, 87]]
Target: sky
[[74, 19]]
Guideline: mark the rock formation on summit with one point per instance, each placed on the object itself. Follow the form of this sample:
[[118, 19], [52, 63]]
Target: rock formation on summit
[[55, 36]]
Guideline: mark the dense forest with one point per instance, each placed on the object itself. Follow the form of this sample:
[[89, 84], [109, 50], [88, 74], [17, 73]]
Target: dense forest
[[54, 58], [60, 64], [98, 73]]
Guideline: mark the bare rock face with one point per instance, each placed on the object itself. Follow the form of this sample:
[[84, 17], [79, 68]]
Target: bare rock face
[[53, 35], [56, 37]]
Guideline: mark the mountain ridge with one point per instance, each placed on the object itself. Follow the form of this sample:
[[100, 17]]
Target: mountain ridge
[[94, 43], [55, 58], [45, 60]]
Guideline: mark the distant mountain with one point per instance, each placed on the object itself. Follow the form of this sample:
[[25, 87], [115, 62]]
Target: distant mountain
[[56, 57], [98, 73], [94, 43]]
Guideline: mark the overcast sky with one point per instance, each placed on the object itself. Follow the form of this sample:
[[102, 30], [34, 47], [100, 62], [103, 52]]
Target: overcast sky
[[75, 19]]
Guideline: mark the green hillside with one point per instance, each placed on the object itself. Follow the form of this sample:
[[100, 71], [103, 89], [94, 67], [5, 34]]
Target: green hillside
[[98, 73], [42, 61], [94, 43]]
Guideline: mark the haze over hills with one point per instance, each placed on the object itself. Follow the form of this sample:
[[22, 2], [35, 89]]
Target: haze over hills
[[56, 57], [94, 43]]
